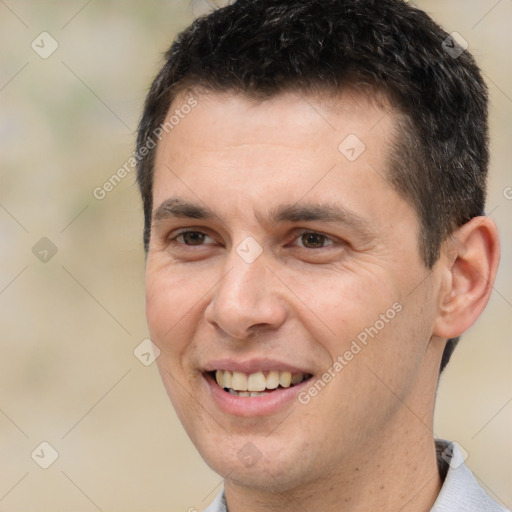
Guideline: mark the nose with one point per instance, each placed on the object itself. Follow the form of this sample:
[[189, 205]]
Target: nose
[[247, 299]]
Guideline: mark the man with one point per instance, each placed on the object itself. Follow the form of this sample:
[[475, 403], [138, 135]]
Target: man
[[313, 178]]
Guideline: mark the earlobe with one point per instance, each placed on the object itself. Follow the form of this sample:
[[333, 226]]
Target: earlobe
[[472, 256]]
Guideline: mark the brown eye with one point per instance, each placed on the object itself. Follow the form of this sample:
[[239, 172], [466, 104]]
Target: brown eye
[[191, 238], [313, 240]]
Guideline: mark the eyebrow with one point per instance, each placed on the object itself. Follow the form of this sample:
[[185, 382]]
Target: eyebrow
[[177, 207], [318, 212]]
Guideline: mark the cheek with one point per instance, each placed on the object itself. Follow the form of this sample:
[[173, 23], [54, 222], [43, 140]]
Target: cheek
[[171, 312], [343, 303], [170, 304]]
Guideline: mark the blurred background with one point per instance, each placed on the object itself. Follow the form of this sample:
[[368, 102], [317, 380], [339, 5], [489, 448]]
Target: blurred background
[[73, 373]]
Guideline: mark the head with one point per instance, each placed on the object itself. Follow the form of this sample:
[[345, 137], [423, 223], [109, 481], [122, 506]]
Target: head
[[440, 155], [268, 96]]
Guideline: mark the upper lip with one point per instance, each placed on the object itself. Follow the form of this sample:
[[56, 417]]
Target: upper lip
[[249, 366]]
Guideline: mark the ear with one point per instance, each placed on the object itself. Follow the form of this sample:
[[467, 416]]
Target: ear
[[470, 259]]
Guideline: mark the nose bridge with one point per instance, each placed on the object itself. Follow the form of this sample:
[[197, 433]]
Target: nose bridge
[[247, 295], [242, 285], [246, 263]]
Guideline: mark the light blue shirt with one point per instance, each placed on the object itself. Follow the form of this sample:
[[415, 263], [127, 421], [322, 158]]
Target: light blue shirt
[[460, 491]]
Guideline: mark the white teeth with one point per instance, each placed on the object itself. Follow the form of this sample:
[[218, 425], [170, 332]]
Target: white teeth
[[224, 378], [239, 381], [253, 384], [246, 393], [227, 381], [256, 382], [285, 379], [272, 380]]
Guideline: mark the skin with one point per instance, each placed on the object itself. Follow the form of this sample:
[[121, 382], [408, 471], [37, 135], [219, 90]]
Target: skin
[[365, 441]]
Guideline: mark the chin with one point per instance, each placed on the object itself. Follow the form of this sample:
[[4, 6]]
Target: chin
[[259, 463]]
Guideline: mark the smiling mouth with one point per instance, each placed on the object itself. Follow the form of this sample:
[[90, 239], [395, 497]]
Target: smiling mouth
[[256, 384]]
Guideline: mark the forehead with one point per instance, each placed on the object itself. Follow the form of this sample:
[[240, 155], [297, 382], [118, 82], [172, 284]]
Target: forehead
[[310, 116], [230, 150]]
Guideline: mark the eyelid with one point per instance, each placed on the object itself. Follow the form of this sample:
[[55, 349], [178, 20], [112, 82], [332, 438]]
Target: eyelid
[[171, 237], [301, 231], [297, 233]]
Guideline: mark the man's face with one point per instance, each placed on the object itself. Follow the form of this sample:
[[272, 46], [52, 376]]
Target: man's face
[[278, 247]]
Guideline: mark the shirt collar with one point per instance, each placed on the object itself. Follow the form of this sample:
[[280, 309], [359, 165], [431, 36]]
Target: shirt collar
[[460, 491]]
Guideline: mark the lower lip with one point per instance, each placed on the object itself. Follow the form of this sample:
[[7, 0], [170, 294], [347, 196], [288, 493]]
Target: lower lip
[[254, 406]]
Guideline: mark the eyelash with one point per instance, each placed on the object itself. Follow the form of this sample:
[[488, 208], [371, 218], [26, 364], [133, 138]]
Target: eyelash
[[298, 236]]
